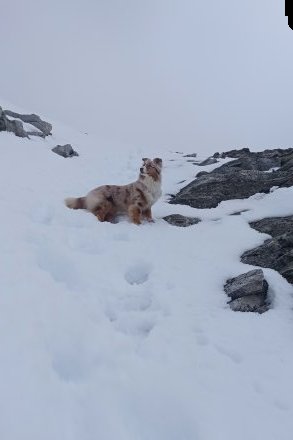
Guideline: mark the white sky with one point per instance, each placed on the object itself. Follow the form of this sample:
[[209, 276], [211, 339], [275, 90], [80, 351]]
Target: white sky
[[174, 73]]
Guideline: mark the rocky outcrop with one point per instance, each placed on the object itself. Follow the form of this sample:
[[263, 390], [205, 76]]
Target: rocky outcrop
[[210, 189], [65, 150], [248, 292], [247, 174], [208, 161], [181, 220], [274, 226], [275, 253], [13, 122], [239, 179]]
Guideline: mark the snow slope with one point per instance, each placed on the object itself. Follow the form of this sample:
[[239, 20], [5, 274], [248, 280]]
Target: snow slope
[[123, 332]]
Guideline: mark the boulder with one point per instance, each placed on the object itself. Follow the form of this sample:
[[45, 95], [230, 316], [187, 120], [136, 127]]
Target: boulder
[[190, 155], [181, 220], [248, 292], [208, 161], [276, 253], [274, 226], [65, 150]]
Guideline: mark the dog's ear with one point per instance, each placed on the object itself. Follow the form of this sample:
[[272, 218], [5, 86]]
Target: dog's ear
[[158, 162], [145, 159]]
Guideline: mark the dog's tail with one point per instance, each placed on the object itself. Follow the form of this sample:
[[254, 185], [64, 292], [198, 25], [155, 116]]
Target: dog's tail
[[75, 202]]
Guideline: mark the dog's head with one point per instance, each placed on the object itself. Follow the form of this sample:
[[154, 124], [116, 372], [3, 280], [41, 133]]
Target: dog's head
[[152, 168]]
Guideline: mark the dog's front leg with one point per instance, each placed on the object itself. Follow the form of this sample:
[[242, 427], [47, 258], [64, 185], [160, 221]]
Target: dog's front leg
[[134, 213], [148, 215]]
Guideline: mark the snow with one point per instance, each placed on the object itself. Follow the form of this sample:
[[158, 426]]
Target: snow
[[118, 331]]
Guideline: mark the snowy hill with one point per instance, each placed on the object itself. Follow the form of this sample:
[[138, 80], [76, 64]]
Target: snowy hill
[[114, 331]]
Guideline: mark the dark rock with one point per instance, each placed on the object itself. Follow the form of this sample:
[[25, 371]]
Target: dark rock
[[181, 220], [250, 163], [202, 173], [13, 126], [276, 253], [248, 292], [235, 153], [16, 126], [65, 150], [2, 120], [208, 161], [35, 120], [239, 212], [208, 190], [191, 155], [251, 303], [287, 162], [240, 178], [261, 161], [274, 226], [249, 283]]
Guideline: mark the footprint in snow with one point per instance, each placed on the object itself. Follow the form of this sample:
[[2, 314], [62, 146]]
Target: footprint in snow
[[135, 324], [202, 340], [233, 355], [138, 273], [61, 268], [70, 367], [281, 405]]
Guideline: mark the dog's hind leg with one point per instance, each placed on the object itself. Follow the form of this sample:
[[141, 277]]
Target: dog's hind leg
[[104, 212]]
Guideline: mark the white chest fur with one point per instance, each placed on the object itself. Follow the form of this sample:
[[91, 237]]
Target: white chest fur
[[153, 190]]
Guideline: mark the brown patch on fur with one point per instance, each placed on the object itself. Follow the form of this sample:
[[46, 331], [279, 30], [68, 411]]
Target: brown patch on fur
[[153, 172], [105, 211], [110, 199], [142, 196], [134, 214], [80, 203]]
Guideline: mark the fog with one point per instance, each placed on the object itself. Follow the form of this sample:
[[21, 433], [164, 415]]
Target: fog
[[170, 73]]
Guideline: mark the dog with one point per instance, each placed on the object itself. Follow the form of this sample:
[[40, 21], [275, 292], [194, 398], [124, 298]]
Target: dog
[[135, 199]]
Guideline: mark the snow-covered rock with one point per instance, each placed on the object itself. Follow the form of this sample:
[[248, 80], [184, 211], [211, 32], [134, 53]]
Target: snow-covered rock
[[248, 292]]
